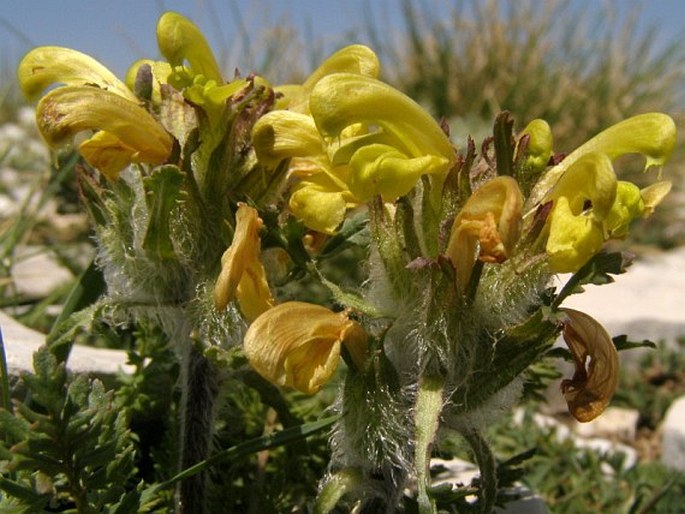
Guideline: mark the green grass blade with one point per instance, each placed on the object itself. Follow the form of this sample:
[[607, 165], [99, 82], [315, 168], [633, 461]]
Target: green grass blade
[[258, 444]]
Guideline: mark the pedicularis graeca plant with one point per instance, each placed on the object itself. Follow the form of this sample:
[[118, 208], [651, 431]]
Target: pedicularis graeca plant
[[201, 189]]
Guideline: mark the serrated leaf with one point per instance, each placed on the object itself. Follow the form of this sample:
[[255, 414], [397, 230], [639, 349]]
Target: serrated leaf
[[61, 337], [130, 502], [597, 271], [21, 492], [163, 190], [12, 428], [347, 299], [38, 461]]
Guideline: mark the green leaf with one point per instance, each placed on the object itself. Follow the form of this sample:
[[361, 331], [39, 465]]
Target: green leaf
[[336, 487], [12, 427], [597, 271], [515, 351], [5, 402], [62, 335], [287, 436], [21, 492], [345, 298], [509, 471], [87, 289], [93, 197], [354, 232], [504, 143], [621, 343], [163, 189]]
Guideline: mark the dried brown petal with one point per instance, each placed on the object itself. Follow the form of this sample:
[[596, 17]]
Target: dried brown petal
[[593, 384]]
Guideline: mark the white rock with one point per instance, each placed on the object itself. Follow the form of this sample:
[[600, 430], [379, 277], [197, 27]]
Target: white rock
[[36, 272], [644, 303], [453, 471], [457, 471], [614, 423], [599, 445], [673, 436], [528, 505], [10, 177], [607, 447], [21, 342], [8, 207]]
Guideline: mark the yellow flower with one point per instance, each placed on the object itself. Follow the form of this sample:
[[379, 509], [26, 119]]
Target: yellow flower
[[362, 139], [594, 381], [589, 205], [651, 134], [298, 344], [160, 71], [539, 144], [181, 43], [357, 59], [487, 227], [91, 99], [242, 275], [193, 67]]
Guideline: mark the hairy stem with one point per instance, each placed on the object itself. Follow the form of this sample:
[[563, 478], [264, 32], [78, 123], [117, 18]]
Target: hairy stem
[[199, 393], [488, 469], [428, 408]]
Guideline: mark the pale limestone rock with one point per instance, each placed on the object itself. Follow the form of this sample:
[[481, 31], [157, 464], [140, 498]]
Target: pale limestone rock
[[596, 444], [614, 423], [21, 342], [36, 272], [644, 303], [673, 436], [457, 471]]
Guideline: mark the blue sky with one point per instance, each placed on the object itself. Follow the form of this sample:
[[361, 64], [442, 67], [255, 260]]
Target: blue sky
[[117, 32]]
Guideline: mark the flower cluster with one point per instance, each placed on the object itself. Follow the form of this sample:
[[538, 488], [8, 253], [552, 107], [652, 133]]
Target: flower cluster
[[200, 175]]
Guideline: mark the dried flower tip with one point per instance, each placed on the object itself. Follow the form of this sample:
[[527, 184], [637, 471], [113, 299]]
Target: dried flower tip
[[593, 384]]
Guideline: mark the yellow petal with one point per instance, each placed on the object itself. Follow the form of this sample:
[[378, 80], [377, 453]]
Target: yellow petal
[[253, 292], [298, 344], [107, 153], [653, 195], [590, 184], [383, 170], [491, 220], [539, 143], [652, 135], [358, 59], [594, 382], [319, 208], [572, 239], [344, 99], [48, 65], [281, 135], [180, 41], [627, 206], [242, 273], [66, 111], [312, 364]]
